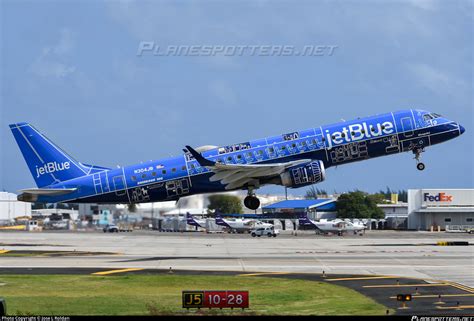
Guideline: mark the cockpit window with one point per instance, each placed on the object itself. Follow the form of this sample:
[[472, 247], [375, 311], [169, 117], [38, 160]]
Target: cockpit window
[[427, 117]]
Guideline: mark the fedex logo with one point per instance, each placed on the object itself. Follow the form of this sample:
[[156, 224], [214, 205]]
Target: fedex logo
[[357, 132], [51, 167], [441, 197]]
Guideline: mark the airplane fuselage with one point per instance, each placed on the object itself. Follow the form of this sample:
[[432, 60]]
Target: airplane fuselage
[[336, 144]]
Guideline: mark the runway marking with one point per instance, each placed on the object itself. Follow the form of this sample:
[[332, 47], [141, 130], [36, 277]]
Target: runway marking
[[456, 308], [364, 278], [264, 273], [405, 285], [462, 287], [115, 271], [436, 296], [4, 251]]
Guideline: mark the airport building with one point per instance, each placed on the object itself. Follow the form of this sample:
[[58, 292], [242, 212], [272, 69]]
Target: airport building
[[444, 208], [11, 208]]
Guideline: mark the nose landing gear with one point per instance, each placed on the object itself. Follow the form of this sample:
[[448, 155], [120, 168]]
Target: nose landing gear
[[251, 201], [419, 165]]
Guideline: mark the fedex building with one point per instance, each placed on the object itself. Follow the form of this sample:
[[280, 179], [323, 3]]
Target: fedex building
[[440, 207]]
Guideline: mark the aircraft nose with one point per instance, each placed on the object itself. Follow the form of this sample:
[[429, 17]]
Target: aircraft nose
[[461, 129]]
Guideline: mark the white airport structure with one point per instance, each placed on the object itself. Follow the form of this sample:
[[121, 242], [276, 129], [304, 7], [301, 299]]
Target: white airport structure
[[10, 207], [444, 208]]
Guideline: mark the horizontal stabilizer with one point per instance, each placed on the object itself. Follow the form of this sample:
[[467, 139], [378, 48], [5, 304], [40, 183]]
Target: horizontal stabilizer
[[31, 194], [48, 191]]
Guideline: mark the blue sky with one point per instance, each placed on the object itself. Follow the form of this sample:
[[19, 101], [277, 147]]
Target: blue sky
[[72, 70]]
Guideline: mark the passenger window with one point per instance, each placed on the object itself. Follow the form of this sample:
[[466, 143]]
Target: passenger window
[[143, 175], [239, 156], [134, 178], [183, 168], [173, 169], [153, 173], [163, 171]]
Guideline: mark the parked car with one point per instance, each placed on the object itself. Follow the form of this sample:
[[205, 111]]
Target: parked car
[[111, 228], [268, 231]]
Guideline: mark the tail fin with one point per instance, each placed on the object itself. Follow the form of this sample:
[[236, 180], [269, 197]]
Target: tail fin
[[219, 219], [190, 220], [48, 163], [304, 220]]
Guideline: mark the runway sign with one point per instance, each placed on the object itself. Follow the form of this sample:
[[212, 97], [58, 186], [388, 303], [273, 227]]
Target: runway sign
[[215, 299]]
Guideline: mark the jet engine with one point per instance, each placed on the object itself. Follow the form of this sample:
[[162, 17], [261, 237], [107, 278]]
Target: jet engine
[[303, 174]]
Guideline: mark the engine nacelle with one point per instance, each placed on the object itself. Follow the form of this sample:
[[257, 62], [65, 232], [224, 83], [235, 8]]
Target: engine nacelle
[[304, 174]]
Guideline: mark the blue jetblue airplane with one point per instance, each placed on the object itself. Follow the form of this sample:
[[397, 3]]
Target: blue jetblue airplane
[[293, 160]]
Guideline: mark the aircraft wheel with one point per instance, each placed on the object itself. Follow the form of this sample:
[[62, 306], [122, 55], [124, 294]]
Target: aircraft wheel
[[246, 201], [274, 235], [269, 234], [251, 202], [253, 234], [420, 166]]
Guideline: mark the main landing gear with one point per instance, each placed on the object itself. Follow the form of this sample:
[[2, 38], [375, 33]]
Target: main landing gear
[[419, 165], [251, 201]]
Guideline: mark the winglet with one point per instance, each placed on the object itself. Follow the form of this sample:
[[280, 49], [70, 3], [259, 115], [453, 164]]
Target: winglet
[[200, 159]]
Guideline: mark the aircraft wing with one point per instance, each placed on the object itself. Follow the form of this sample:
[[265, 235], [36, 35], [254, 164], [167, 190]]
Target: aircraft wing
[[237, 175]]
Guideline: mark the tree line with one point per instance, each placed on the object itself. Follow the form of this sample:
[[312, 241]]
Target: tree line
[[359, 204]]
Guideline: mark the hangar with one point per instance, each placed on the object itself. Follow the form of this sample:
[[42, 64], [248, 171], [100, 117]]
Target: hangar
[[323, 208], [451, 209]]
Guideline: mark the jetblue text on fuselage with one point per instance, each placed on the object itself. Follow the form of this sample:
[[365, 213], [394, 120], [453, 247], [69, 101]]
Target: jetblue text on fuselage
[[357, 132]]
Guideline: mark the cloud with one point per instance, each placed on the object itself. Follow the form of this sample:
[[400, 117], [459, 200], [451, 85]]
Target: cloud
[[424, 4], [223, 92], [436, 80], [52, 60]]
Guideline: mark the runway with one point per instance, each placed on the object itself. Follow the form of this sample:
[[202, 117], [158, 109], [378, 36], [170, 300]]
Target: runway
[[402, 254]]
